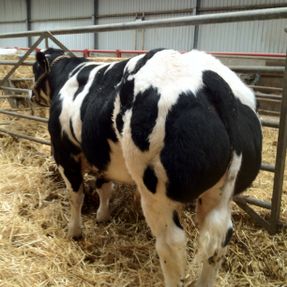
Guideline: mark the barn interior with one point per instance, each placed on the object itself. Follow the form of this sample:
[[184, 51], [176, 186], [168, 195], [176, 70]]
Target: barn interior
[[34, 208]]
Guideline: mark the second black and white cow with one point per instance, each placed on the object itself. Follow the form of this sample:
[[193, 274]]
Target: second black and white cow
[[180, 126]]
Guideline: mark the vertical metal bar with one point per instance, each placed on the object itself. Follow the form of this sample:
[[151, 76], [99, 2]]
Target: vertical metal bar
[[60, 44], [46, 42], [33, 47], [280, 160], [196, 27], [28, 19], [96, 14]]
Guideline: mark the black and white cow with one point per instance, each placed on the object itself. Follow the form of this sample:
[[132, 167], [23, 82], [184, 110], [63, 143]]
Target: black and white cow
[[180, 126]]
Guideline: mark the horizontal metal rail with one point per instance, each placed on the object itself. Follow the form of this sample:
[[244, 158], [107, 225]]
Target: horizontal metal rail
[[21, 79], [19, 90], [17, 115], [118, 53], [12, 63], [270, 123], [266, 69], [263, 88], [269, 69], [268, 167], [260, 95], [30, 138], [14, 96], [250, 15]]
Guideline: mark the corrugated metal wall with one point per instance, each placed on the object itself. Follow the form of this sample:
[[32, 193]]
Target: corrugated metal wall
[[53, 14], [12, 19], [134, 10], [254, 36], [259, 36]]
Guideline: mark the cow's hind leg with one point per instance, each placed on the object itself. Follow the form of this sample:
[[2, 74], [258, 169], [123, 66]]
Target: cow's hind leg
[[215, 224], [162, 217], [104, 189], [74, 183]]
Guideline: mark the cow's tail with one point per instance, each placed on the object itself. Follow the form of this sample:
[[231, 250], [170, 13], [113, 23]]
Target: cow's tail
[[222, 98]]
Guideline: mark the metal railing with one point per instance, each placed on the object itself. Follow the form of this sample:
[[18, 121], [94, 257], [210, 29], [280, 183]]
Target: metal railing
[[273, 224], [250, 15]]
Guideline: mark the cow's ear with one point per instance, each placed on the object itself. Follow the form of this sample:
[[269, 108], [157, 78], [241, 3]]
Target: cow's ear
[[41, 59]]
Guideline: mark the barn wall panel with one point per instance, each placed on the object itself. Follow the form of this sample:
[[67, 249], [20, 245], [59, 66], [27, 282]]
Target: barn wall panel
[[259, 36], [177, 38], [10, 28], [253, 36], [64, 14], [13, 11]]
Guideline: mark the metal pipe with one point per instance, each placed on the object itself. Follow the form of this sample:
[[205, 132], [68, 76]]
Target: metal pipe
[[12, 63], [17, 115], [33, 47], [223, 54], [280, 160], [257, 218], [268, 167], [250, 54], [257, 69], [268, 96], [21, 79], [17, 135], [263, 88], [196, 27], [15, 89], [270, 123], [57, 42], [253, 201], [95, 22], [234, 68], [254, 15], [29, 24], [14, 96]]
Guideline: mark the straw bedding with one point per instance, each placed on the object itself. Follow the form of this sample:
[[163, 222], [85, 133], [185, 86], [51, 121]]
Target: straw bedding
[[34, 211]]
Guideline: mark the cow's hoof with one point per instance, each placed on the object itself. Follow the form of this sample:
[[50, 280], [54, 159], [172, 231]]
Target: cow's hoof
[[103, 217], [75, 234], [78, 237]]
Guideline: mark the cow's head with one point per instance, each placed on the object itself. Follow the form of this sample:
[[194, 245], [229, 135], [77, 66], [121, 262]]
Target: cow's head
[[41, 93]]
